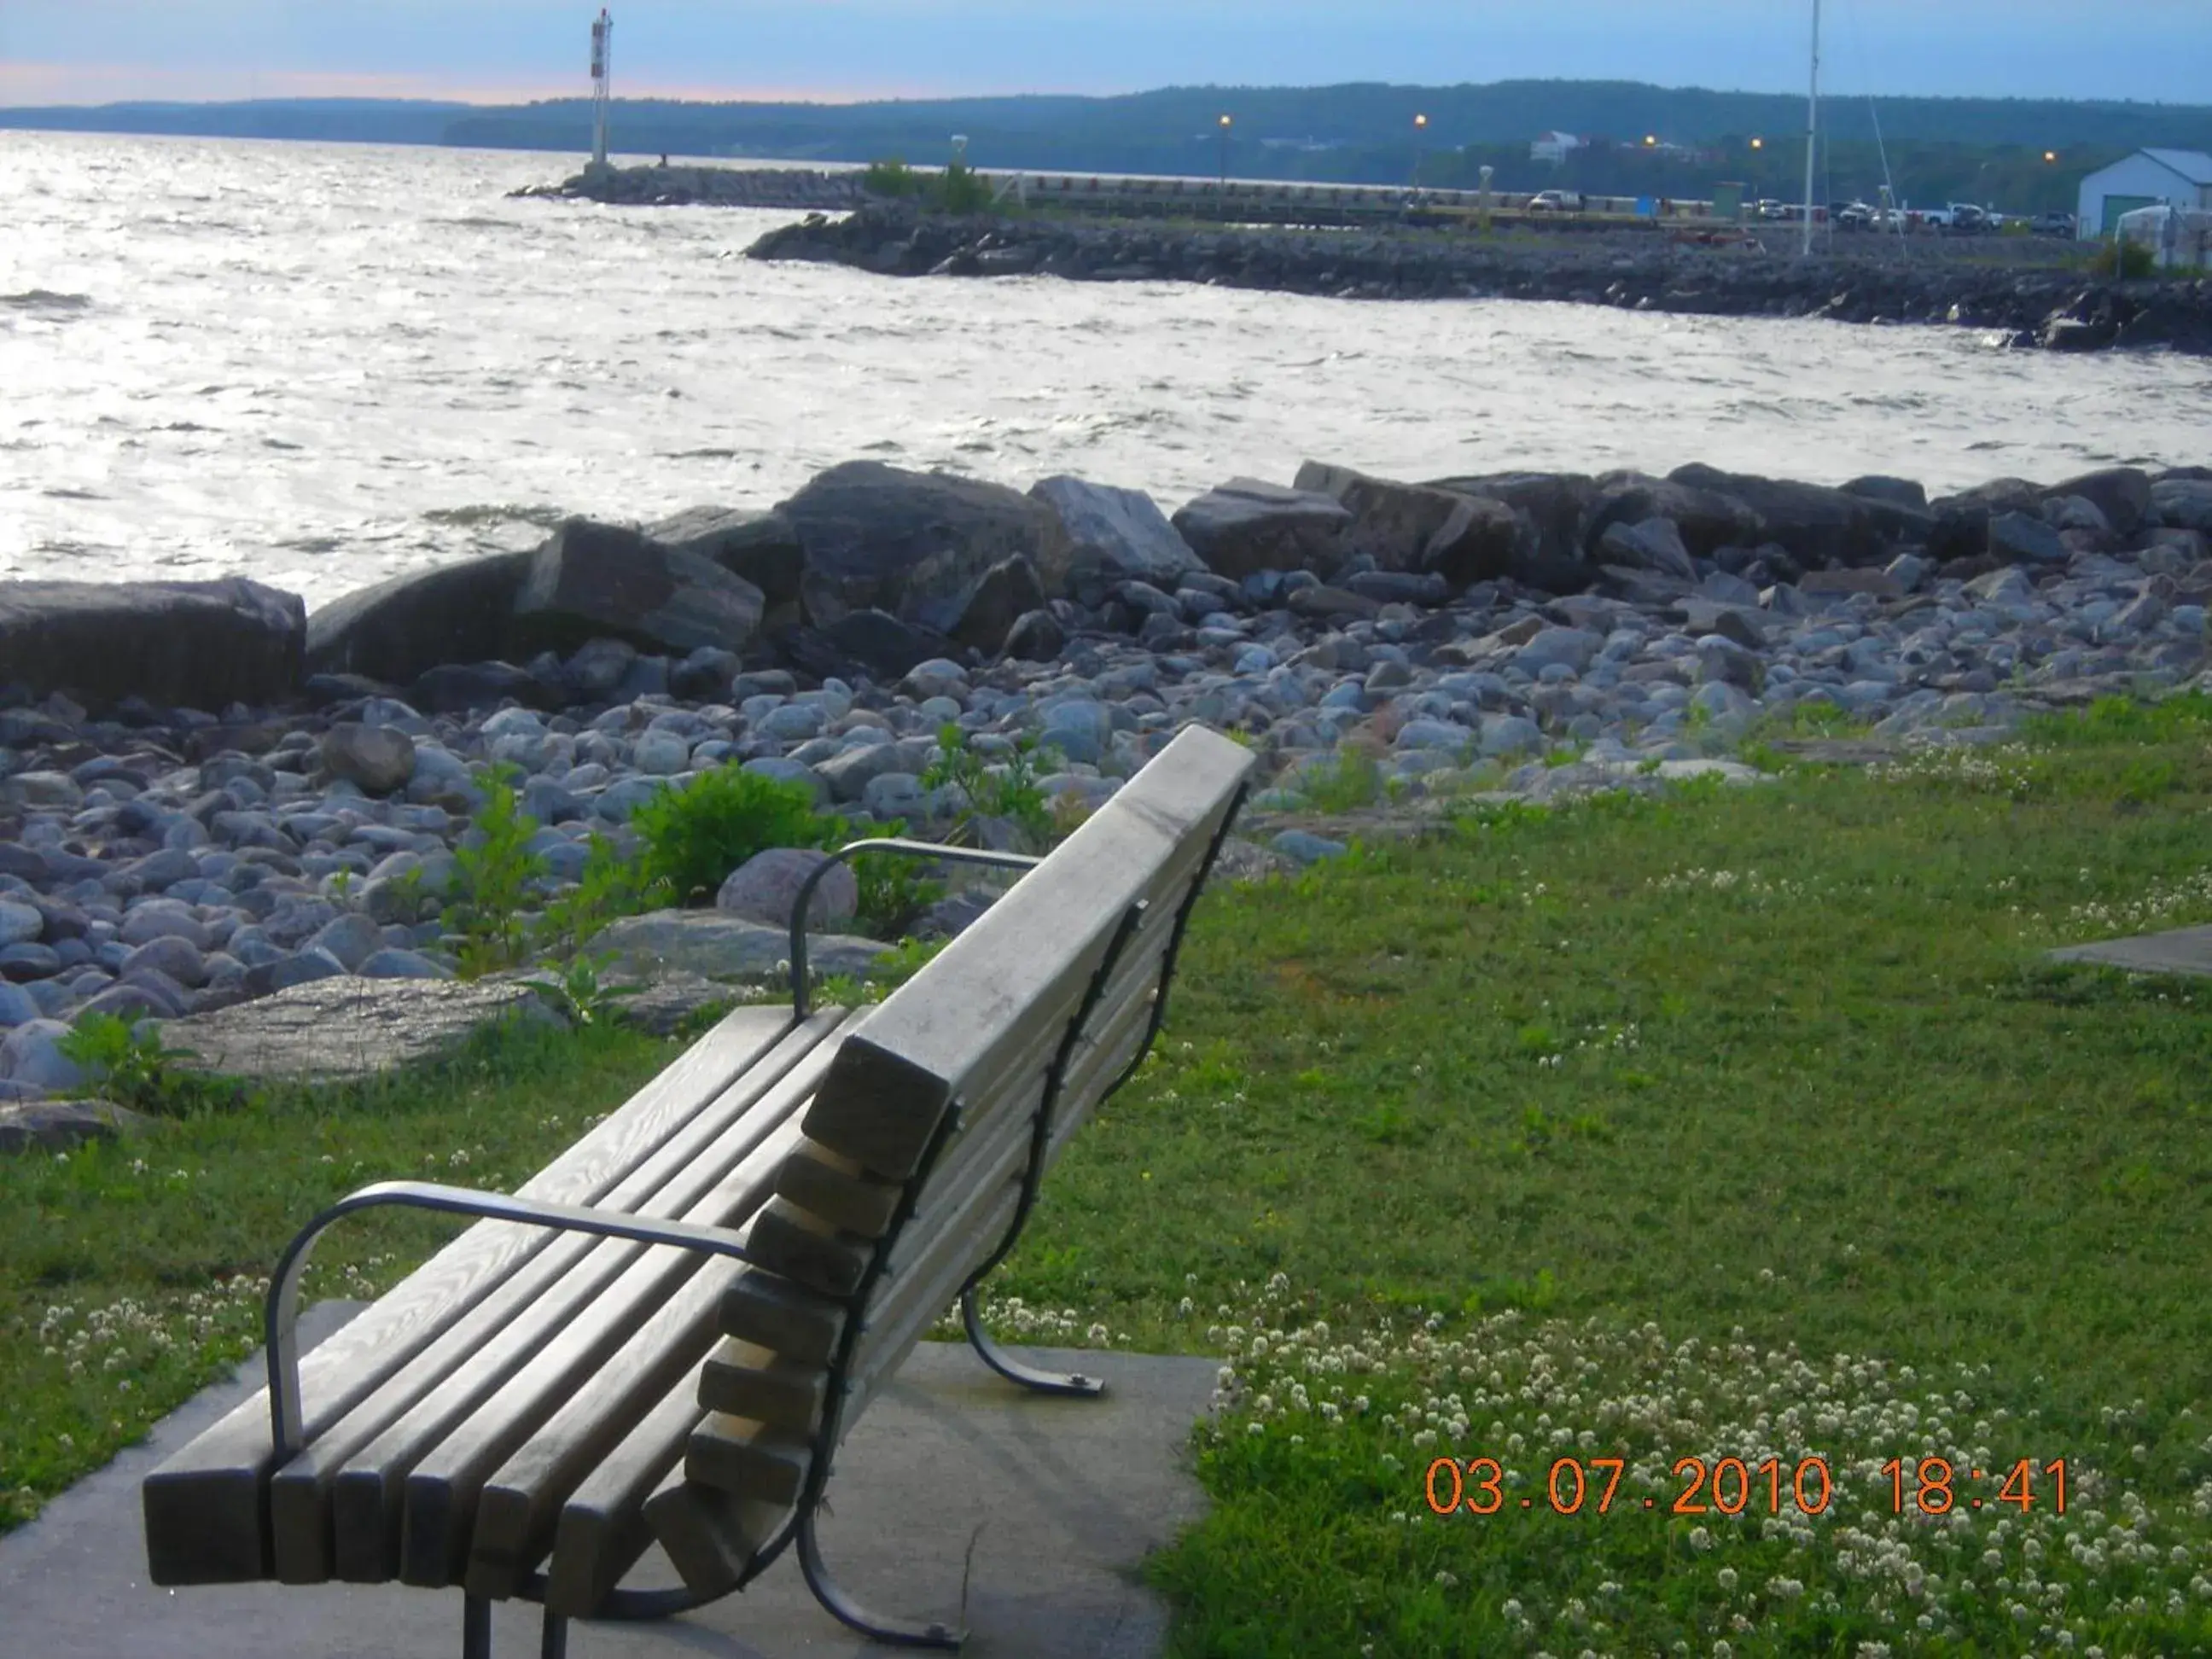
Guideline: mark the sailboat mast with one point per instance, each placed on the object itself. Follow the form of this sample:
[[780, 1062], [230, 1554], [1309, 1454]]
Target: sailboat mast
[[1812, 129]]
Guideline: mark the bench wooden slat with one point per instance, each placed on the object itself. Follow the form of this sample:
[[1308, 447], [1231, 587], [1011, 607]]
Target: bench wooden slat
[[763, 1309], [838, 1190], [711, 1537], [337, 1503], [439, 1495], [743, 1379], [603, 1529], [755, 1460], [988, 991], [204, 1516]]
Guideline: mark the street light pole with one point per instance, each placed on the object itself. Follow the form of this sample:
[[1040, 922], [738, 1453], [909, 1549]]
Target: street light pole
[[1420, 125], [1224, 155]]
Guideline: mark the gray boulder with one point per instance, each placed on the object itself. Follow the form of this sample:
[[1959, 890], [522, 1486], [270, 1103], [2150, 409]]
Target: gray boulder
[[343, 1028], [1817, 524], [2022, 539], [30, 1054], [718, 946], [1648, 545], [1247, 526], [1554, 505], [762, 547], [1705, 516], [765, 888], [987, 613], [204, 645], [2122, 494], [593, 579], [2183, 503], [1114, 536], [400, 629], [380, 758], [61, 1126], [878, 537], [20, 924], [1391, 523]]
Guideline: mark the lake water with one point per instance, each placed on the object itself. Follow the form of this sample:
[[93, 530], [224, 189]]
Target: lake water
[[319, 365]]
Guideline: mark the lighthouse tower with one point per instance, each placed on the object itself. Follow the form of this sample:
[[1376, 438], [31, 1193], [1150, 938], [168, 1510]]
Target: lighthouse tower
[[603, 29]]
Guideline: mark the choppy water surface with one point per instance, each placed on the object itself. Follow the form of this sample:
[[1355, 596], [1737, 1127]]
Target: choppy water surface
[[323, 364]]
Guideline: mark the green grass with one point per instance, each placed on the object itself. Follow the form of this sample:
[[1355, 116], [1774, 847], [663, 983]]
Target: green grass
[[1720, 1122], [1781, 1060], [131, 1272]]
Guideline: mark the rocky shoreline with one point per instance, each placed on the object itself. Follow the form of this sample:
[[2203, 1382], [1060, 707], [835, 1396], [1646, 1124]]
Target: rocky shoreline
[[208, 796], [2056, 310]]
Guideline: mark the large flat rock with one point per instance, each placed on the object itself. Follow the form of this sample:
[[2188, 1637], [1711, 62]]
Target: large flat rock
[[344, 1029], [958, 1498], [2183, 951]]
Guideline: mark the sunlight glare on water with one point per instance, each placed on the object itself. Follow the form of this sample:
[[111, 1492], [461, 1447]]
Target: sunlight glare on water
[[320, 365]]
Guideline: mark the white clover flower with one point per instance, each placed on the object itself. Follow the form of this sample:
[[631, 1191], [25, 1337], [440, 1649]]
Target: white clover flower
[[1725, 1578], [1699, 1538]]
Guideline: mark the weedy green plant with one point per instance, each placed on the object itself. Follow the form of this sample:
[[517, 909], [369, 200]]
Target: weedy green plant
[[2130, 261], [694, 837], [609, 888], [579, 993], [136, 1069], [1007, 790], [494, 869], [961, 189], [1351, 780], [894, 889]]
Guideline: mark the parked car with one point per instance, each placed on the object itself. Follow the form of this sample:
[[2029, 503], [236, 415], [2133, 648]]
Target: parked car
[[1555, 201], [1854, 216], [2055, 224], [1967, 216]]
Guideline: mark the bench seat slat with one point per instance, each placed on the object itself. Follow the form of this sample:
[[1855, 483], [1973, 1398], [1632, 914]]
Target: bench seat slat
[[205, 1520], [711, 1537], [326, 1522], [439, 1496], [603, 1529]]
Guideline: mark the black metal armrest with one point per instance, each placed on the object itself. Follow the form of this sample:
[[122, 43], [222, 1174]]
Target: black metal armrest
[[287, 1427], [911, 849]]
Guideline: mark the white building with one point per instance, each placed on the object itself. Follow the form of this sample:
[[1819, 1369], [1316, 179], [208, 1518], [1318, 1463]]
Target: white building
[[2149, 177], [1555, 147]]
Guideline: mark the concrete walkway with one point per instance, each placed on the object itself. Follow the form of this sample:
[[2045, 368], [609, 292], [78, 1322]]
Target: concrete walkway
[[2184, 950], [957, 1497]]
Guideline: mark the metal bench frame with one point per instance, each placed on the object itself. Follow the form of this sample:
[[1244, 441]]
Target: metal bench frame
[[281, 1312]]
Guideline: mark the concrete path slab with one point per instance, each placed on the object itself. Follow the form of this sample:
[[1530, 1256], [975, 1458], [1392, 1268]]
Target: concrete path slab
[[2184, 950], [957, 1497]]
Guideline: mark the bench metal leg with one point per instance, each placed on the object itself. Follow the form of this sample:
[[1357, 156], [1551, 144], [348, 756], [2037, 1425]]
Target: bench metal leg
[[553, 1636], [1067, 1382], [892, 1633], [475, 1628]]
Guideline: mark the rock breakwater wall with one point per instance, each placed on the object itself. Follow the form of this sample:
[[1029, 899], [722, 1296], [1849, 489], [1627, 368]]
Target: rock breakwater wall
[[2053, 309]]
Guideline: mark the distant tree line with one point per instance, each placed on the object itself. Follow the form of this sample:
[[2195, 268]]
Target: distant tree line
[[1987, 151]]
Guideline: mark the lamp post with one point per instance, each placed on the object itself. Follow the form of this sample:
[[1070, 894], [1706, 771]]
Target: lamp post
[[1420, 126], [1226, 125]]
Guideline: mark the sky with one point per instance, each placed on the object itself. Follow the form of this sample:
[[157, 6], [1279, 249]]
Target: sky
[[486, 50]]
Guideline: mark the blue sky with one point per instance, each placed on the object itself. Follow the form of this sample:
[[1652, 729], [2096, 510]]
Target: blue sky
[[92, 51]]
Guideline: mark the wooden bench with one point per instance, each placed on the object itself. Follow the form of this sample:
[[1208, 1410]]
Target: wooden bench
[[526, 1414]]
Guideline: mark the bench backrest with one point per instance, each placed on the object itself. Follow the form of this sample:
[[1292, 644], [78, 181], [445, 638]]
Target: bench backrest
[[923, 1143]]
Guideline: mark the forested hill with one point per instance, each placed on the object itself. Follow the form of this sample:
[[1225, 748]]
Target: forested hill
[[1985, 149]]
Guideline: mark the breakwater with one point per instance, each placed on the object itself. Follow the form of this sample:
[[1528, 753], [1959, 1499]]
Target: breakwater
[[2048, 309]]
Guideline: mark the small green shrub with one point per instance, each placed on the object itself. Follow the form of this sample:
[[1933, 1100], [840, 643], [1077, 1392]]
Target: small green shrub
[[961, 189], [493, 880], [893, 891], [694, 837], [890, 177], [579, 993], [2130, 261], [1353, 779]]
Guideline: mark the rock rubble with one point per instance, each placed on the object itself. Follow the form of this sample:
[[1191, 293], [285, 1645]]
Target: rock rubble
[[163, 860]]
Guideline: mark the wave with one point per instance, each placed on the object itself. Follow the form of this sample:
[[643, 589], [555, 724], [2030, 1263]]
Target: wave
[[545, 518], [45, 299]]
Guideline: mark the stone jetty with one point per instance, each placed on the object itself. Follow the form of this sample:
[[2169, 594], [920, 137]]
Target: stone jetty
[[1862, 281], [209, 795]]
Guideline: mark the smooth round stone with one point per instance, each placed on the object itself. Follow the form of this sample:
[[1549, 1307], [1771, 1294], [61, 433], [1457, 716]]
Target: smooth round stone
[[392, 963], [18, 1007], [20, 924], [174, 958], [29, 961], [938, 710], [892, 794], [1307, 848], [513, 722], [1431, 734], [793, 722], [31, 1053]]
